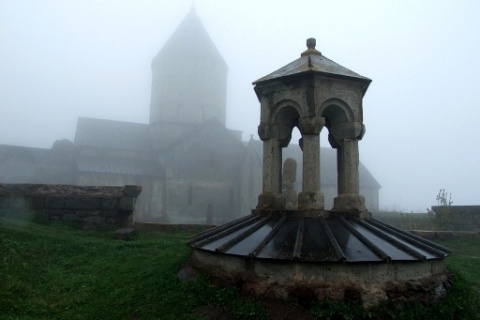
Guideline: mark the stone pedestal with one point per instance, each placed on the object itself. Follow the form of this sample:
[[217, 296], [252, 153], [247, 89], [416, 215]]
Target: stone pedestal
[[311, 200], [271, 200], [349, 202]]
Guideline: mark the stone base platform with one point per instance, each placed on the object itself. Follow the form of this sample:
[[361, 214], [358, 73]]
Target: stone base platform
[[368, 284], [323, 255]]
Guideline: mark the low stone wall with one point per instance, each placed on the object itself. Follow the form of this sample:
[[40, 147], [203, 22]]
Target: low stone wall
[[84, 206], [458, 218]]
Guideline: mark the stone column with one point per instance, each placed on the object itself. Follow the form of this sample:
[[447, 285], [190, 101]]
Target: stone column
[[344, 137], [311, 198], [272, 166], [271, 196]]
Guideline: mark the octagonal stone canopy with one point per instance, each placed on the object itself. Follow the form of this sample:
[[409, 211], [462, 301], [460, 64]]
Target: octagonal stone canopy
[[312, 93], [312, 61]]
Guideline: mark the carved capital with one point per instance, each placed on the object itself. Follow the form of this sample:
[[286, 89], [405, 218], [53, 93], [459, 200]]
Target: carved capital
[[311, 125], [334, 142], [280, 131], [275, 131], [347, 130], [264, 131]]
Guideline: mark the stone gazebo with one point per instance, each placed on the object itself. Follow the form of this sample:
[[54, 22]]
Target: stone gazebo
[[313, 252], [312, 93]]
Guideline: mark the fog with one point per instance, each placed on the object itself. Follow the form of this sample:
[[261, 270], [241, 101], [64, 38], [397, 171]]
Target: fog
[[60, 60]]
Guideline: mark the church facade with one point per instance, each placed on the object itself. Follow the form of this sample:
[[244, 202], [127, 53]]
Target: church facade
[[191, 167]]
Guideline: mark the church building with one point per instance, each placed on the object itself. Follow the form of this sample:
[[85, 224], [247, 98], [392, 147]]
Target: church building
[[191, 167]]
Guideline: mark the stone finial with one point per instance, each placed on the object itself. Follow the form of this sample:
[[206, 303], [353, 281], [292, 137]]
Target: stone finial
[[311, 43]]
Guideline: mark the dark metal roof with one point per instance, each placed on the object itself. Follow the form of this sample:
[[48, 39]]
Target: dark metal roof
[[112, 134], [313, 61], [284, 237]]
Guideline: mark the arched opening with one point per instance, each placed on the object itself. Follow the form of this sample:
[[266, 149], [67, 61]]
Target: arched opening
[[334, 114], [344, 133], [286, 114], [292, 169], [296, 136]]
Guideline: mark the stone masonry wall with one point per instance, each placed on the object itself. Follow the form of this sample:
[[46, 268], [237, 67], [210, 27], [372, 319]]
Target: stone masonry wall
[[464, 218], [86, 207]]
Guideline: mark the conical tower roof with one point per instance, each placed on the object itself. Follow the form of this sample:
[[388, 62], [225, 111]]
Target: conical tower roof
[[190, 39]]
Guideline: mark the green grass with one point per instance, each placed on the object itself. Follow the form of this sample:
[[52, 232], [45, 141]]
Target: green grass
[[57, 272], [465, 260]]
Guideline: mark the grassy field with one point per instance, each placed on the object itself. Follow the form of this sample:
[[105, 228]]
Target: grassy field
[[56, 272], [465, 260]]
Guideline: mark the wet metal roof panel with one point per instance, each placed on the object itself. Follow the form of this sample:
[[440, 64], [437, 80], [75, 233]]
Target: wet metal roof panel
[[338, 239]]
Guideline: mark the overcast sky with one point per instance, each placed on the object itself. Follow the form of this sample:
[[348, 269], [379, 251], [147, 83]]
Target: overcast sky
[[60, 60]]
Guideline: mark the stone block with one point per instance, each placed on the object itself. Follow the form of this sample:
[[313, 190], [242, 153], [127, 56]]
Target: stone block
[[269, 200], [55, 202], [95, 219], [349, 202], [331, 293], [123, 219], [310, 200], [82, 203], [108, 213], [311, 124], [17, 203], [82, 213], [108, 203], [373, 296], [126, 203], [348, 130], [132, 191], [37, 203], [71, 216]]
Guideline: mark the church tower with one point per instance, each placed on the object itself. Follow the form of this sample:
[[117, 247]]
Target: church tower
[[189, 79]]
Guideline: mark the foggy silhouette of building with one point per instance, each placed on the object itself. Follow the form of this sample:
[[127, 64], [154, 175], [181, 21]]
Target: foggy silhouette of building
[[191, 167]]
